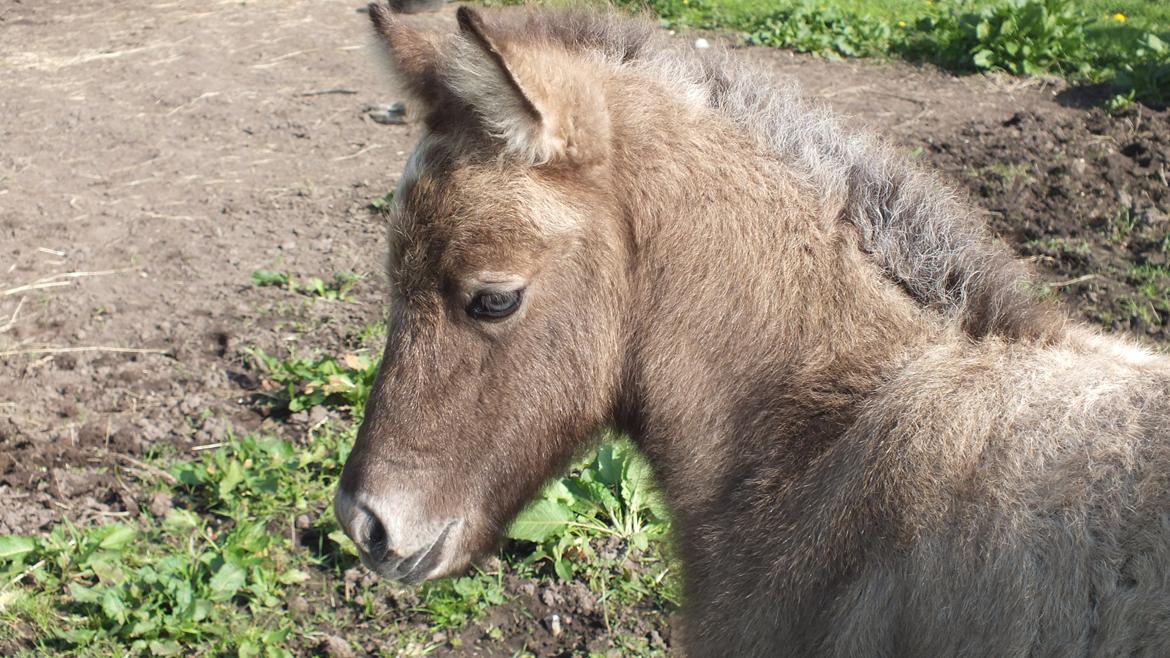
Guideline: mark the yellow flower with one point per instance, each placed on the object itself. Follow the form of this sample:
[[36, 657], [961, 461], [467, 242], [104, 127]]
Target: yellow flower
[[901, 23], [1119, 17]]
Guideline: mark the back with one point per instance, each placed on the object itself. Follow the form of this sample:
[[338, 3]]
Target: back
[[1001, 499]]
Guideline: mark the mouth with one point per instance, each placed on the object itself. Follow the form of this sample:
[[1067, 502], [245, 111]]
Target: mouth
[[414, 568]]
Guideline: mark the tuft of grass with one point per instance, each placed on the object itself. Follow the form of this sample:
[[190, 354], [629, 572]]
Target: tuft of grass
[[325, 381], [336, 290], [826, 30], [378, 203]]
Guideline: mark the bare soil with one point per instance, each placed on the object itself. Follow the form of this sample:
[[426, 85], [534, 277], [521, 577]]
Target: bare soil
[[153, 155]]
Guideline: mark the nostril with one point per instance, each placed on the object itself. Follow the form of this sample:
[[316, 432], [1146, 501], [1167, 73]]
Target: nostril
[[375, 539]]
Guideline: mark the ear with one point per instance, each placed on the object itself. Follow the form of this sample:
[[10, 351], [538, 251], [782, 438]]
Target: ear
[[415, 57], [538, 103]]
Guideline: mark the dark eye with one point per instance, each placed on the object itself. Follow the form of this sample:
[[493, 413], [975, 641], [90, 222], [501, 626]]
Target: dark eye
[[494, 304]]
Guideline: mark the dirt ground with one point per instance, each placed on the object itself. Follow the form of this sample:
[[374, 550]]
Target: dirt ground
[[153, 155]]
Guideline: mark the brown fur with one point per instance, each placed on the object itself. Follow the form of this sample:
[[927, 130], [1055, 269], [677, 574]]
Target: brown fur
[[874, 440]]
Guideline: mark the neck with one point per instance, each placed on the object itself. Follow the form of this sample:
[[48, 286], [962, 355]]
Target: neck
[[761, 326]]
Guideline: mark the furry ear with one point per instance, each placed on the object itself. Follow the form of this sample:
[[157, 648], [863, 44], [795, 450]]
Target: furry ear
[[415, 57], [538, 103]]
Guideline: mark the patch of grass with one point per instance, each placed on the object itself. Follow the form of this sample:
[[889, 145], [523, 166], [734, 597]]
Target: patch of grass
[[383, 201], [826, 30], [1121, 226], [1008, 173], [609, 494], [453, 602], [604, 523], [1059, 249], [325, 381], [336, 290], [1021, 37], [1099, 41], [1153, 284], [209, 578]]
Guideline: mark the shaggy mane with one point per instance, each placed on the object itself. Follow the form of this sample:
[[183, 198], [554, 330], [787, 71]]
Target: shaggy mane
[[916, 229]]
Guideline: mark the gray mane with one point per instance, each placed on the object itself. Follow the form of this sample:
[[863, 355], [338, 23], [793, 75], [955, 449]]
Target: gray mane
[[914, 227]]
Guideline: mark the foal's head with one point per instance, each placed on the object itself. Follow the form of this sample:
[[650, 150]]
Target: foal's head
[[506, 273]]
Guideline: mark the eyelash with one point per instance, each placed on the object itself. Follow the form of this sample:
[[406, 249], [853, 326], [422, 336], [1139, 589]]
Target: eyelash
[[494, 304]]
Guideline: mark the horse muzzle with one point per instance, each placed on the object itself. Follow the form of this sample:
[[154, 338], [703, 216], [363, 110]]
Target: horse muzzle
[[394, 540]]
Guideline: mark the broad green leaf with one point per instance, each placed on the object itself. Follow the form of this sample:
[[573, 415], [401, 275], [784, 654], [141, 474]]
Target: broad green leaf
[[77, 637], [539, 520], [248, 649], [113, 605], [200, 609], [343, 542], [564, 569], [269, 278], [144, 627], [83, 594], [178, 520], [164, 648], [14, 546], [609, 464], [118, 538], [292, 577], [233, 475], [108, 571], [640, 541], [556, 490], [227, 581]]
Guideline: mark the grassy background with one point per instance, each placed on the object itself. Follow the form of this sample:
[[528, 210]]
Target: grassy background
[[1122, 42]]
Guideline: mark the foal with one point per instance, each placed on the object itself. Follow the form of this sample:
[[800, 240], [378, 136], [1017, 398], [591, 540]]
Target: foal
[[873, 439]]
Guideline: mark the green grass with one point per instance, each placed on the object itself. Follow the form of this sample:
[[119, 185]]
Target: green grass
[[212, 573], [336, 290], [1119, 42]]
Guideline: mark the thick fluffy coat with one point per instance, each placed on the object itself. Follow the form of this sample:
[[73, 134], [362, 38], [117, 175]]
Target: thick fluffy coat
[[875, 440]]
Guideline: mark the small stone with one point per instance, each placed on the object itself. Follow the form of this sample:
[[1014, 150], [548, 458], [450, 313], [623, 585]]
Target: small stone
[[554, 625], [656, 641], [161, 504], [548, 597], [318, 415], [215, 429], [304, 522], [393, 114], [297, 605], [701, 44], [335, 647], [299, 418], [1151, 216]]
